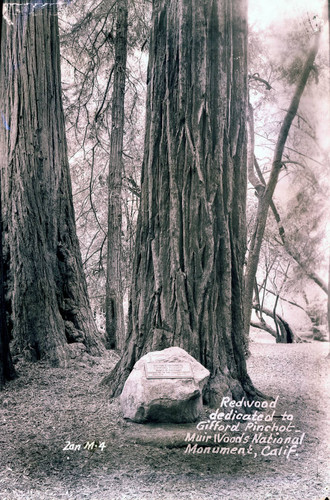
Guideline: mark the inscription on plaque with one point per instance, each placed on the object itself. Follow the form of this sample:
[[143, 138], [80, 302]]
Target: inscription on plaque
[[155, 369]]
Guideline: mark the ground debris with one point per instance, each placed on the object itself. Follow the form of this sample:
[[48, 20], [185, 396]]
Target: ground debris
[[49, 409]]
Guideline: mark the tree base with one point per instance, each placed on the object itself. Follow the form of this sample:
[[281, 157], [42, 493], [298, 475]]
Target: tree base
[[218, 387]]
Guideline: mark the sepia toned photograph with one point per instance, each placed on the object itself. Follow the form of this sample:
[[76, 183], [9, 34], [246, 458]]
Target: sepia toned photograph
[[164, 250]]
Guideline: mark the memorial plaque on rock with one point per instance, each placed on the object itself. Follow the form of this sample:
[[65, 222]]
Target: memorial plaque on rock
[[155, 369], [164, 386]]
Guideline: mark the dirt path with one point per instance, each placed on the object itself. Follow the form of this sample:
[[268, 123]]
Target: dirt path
[[45, 411]]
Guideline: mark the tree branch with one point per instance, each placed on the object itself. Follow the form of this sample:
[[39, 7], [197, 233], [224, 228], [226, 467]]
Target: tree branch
[[265, 201], [288, 248], [258, 79]]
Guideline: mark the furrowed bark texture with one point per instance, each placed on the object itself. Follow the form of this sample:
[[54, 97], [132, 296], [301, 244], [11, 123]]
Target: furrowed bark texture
[[7, 371], [46, 289], [187, 283], [115, 328]]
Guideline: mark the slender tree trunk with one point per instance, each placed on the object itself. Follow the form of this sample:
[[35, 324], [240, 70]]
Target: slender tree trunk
[[188, 269], [281, 297], [47, 289], [266, 198], [115, 327], [284, 333], [312, 275], [262, 325]]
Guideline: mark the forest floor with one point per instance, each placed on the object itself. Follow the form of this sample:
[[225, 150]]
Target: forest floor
[[47, 410]]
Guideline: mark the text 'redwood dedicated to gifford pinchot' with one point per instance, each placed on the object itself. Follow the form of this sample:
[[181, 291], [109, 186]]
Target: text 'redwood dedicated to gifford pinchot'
[[231, 431]]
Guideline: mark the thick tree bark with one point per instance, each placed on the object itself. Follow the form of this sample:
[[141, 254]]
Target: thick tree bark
[[115, 327], [188, 269], [47, 291], [7, 371], [266, 199]]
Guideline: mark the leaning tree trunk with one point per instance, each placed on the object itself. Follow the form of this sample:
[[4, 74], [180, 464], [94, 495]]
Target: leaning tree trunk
[[283, 334], [266, 194], [115, 328], [47, 289], [188, 268]]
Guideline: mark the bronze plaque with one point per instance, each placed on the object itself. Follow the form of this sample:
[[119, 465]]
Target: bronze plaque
[[156, 369]]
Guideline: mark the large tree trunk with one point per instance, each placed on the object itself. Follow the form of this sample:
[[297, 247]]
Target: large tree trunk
[[47, 290], [187, 283], [7, 370], [115, 327]]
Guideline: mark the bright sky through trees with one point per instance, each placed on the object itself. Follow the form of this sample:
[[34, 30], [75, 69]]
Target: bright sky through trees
[[265, 13], [276, 23]]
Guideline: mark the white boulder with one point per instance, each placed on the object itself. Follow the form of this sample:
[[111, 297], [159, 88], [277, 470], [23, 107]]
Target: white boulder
[[164, 386]]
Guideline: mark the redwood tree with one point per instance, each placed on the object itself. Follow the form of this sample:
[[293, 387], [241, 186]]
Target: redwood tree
[[47, 294], [114, 289], [7, 370], [188, 269]]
